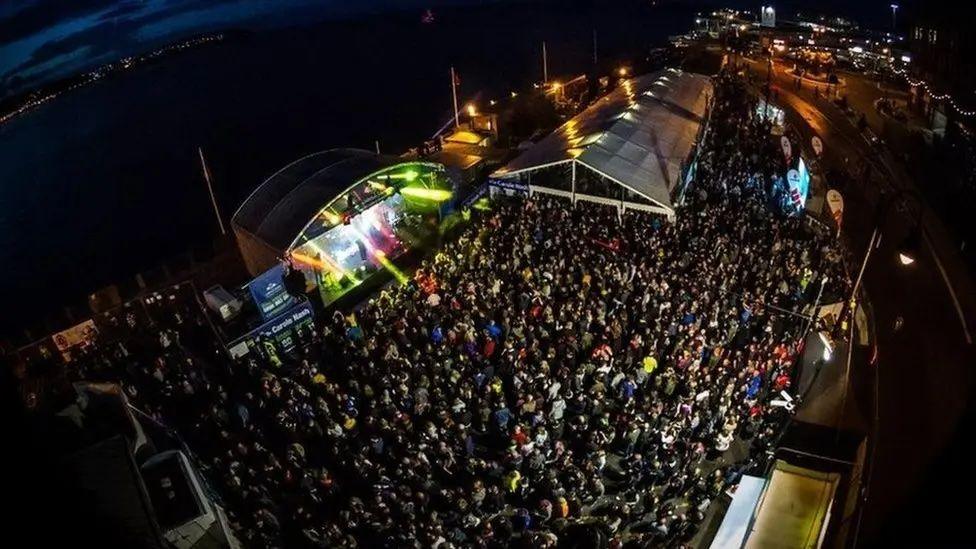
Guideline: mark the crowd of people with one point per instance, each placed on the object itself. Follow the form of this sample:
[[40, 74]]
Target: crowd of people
[[556, 375]]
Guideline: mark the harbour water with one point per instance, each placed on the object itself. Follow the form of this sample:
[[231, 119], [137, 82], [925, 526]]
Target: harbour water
[[105, 181]]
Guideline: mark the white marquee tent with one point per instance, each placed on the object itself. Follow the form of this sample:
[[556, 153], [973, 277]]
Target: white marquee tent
[[633, 148]]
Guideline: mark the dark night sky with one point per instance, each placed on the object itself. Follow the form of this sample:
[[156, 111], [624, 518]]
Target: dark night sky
[[45, 39], [42, 40]]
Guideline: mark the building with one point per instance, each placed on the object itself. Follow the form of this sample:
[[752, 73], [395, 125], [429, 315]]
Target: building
[[122, 471], [724, 21], [634, 148], [341, 216], [943, 66]]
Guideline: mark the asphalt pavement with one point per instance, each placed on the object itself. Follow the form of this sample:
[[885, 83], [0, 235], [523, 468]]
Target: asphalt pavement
[[922, 367]]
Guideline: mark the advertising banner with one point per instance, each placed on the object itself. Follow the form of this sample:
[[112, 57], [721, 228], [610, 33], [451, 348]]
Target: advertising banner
[[836, 204], [793, 180], [478, 193], [74, 336], [817, 145], [269, 293], [278, 332], [509, 184], [297, 315], [798, 185]]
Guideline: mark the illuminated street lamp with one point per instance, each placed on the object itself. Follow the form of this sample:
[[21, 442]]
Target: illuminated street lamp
[[907, 250], [472, 111], [622, 71], [894, 11]]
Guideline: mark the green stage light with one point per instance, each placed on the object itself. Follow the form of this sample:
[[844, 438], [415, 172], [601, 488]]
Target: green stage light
[[409, 175], [436, 195], [389, 266], [482, 204]]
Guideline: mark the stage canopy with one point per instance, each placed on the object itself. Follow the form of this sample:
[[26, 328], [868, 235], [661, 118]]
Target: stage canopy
[[316, 193], [636, 145]]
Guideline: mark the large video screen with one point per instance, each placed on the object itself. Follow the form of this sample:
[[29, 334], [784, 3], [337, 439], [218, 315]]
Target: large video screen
[[789, 194], [799, 187]]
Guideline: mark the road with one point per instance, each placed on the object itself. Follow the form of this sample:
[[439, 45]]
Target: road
[[923, 373]]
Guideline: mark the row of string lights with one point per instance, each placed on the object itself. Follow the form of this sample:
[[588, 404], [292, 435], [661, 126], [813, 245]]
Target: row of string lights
[[947, 98]]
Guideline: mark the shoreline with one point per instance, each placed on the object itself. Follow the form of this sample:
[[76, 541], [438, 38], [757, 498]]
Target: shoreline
[[28, 101]]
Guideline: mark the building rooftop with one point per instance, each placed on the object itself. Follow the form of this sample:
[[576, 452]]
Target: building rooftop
[[278, 210], [639, 134]]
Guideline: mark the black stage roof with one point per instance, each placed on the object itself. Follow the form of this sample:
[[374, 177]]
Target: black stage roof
[[278, 210]]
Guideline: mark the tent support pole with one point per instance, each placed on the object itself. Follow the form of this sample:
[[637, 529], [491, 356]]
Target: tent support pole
[[620, 204], [574, 183]]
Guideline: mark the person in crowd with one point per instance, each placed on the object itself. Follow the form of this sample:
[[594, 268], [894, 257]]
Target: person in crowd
[[553, 365]]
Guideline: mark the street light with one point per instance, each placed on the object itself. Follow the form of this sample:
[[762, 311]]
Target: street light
[[828, 346], [907, 250], [894, 10], [472, 111], [622, 71]]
